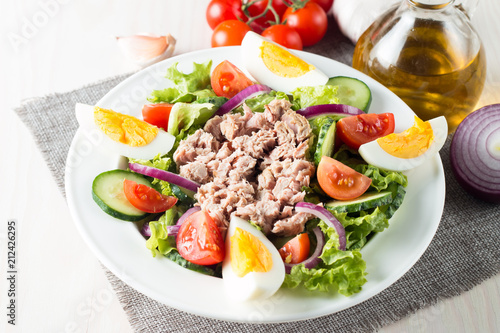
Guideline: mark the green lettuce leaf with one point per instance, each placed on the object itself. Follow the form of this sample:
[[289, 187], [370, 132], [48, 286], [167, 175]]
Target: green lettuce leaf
[[308, 96], [184, 116], [189, 87], [256, 104], [160, 241], [339, 271]]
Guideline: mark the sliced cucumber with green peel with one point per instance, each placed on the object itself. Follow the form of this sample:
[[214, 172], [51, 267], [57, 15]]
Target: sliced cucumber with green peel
[[179, 260], [363, 202], [107, 192], [326, 140], [352, 92], [184, 196]]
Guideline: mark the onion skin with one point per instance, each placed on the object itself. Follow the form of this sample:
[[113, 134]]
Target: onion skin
[[475, 153], [314, 259], [329, 109]]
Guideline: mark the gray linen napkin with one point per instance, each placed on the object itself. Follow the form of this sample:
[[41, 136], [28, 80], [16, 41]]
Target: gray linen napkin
[[463, 253]]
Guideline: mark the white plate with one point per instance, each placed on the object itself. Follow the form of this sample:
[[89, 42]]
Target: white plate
[[121, 248]]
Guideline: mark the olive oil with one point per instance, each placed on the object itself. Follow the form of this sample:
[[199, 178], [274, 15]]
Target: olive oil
[[428, 63]]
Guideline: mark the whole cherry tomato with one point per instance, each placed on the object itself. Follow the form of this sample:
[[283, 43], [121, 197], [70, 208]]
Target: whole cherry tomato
[[310, 22], [230, 32], [284, 35]]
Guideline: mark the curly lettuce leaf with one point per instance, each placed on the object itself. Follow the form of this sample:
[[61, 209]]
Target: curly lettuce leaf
[[339, 271], [160, 241], [184, 116], [188, 87], [316, 95], [257, 103]]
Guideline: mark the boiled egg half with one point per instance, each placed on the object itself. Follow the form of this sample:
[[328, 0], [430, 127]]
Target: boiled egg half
[[277, 67], [122, 134], [408, 149], [253, 268]]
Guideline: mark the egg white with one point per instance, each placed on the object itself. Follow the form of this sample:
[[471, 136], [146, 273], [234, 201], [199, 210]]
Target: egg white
[[253, 63], [254, 285], [161, 144], [373, 154]]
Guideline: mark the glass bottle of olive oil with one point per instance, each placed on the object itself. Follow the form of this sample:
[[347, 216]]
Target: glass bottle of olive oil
[[429, 55]]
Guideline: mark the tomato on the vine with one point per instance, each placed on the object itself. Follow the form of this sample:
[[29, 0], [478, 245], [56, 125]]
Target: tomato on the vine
[[259, 7], [227, 80], [200, 241], [325, 4], [340, 181], [310, 22], [284, 35], [223, 10], [357, 130], [230, 32]]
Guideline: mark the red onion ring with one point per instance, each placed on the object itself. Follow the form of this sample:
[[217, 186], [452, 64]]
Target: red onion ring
[[239, 98], [187, 214], [165, 176], [172, 230], [475, 153], [314, 259], [324, 215], [329, 110]]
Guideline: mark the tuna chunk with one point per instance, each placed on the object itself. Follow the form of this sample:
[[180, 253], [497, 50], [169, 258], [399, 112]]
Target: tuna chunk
[[199, 143], [195, 171], [291, 226], [234, 125], [257, 145], [213, 127], [276, 109], [299, 125]]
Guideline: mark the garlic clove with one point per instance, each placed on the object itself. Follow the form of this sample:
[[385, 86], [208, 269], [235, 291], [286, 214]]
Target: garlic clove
[[145, 50]]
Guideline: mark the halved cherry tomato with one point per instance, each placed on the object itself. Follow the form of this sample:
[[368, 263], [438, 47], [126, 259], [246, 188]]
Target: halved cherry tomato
[[157, 114], [200, 241], [146, 198], [357, 130], [284, 35], [310, 22], [230, 32], [227, 80], [339, 181], [296, 250]]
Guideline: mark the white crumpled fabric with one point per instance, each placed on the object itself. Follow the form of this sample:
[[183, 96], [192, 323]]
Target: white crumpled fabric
[[355, 16]]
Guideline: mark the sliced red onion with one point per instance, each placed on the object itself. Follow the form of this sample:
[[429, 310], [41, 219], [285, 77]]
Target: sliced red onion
[[329, 110], [314, 259], [187, 214], [172, 230], [145, 230], [324, 215], [475, 153], [165, 176], [239, 98]]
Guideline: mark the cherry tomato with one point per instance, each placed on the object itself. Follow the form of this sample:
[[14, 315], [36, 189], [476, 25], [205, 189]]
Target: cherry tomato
[[157, 114], [310, 22], [259, 7], [230, 32], [223, 10], [227, 80], [325, 4], [146, 198], [284, 35], [357, 130], [200, 241], [339, 181], [296, 250]]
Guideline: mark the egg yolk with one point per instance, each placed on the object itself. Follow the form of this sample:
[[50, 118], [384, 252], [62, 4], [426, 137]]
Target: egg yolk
[[248, 254], [281, 62], [411, 143], [123, 128]]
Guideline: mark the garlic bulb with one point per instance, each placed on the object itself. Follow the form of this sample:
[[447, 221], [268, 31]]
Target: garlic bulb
[[355, 16], [145, 50]]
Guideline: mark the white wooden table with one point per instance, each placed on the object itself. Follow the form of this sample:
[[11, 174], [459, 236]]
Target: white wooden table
[[64, 44]]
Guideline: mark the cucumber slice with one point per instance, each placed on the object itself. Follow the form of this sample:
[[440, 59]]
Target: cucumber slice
[[179, 260], [107, 192], [364, 202], [352, 92], [184, 196], [398, 194], [326, 140]]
